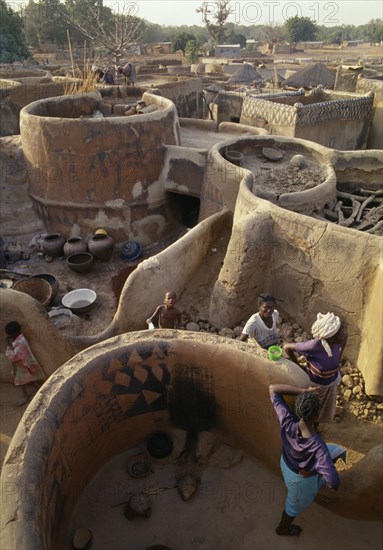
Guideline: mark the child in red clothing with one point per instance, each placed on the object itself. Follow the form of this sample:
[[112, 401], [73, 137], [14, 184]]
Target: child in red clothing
[[26, 370]]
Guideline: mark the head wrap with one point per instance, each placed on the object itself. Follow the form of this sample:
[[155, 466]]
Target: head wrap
[[324, 327]]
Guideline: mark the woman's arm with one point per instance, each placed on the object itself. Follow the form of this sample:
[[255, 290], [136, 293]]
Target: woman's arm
[[290, 350], [286, 389]]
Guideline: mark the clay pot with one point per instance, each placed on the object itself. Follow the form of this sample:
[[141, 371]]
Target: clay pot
[[74, 245], [53, 245], [101, 246], [80, 263]]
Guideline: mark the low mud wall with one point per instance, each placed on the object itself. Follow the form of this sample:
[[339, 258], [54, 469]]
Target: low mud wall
[[109, 397]]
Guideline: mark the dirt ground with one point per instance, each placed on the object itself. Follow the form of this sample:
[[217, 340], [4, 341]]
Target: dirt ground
[[281, 176]]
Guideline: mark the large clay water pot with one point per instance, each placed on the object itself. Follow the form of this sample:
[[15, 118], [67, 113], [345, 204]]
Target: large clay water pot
[[74, 245], [53, 245], [101, 246]]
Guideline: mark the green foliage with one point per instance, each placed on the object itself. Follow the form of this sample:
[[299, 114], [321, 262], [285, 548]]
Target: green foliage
[[180, 40], [236, 38], [154, 33], [13, 45], [215, 17], [191, 51], [300, 29], [375, 30], [44, 22]]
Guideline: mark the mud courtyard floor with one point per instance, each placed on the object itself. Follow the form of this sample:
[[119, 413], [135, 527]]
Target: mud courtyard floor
[[234, 508]]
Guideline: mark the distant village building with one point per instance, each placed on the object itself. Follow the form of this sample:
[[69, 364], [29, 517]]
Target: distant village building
[[251, 44], [283, 48], [314, 45], [232, 51], [337, 120], [160, 48], [351, 43]]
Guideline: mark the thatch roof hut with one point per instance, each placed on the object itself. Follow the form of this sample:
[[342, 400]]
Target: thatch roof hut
[[245, 74], [311, 76]]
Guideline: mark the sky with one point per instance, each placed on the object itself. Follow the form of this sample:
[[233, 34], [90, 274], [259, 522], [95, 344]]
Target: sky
[[247, 12]]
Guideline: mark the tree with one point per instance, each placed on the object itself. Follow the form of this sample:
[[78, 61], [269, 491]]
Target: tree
[[191, 51], [375, 30], [13, 45], [219, 14], [110, 31], [300, 28], [237, 38], [180, 40], [273, 33]]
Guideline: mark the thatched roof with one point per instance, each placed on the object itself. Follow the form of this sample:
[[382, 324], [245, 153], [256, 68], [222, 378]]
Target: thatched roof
[[311, 76], [269, 74], [244, 74]]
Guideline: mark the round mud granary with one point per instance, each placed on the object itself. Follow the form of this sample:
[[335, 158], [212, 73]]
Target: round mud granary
[[293, 173], [85, 169], [110, 397]]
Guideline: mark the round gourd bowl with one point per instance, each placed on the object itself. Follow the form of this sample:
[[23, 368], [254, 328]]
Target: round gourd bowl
[[274, 353], [131, 250], [79, 300]]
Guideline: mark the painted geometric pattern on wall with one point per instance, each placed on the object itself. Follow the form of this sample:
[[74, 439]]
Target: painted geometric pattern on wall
[[275, 113], [308, 115], [338, 109], [138, 380]]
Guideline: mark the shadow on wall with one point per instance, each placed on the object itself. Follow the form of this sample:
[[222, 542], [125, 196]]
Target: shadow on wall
[[112, 395]]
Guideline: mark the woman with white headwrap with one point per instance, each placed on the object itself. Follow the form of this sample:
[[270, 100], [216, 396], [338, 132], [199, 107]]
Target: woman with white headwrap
[[323, 355]]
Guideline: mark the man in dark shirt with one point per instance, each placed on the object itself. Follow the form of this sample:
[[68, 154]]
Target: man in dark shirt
[[306, 462]]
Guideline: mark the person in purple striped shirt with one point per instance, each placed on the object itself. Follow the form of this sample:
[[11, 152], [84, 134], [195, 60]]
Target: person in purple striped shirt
[[323, 356], [306, 462]]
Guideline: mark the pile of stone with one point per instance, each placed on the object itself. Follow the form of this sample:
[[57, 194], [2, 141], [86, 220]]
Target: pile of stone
[[290, 332], [351, 392]]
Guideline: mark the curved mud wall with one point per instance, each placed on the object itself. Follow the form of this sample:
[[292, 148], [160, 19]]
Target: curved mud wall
[[222, 178], [86, 173], [113, 395], [312, 266], [157, 273], [46, 341]]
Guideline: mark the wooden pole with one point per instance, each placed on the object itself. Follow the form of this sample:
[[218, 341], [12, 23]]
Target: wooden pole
[[70, 51]]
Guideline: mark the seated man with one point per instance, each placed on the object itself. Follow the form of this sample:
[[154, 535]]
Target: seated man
[[263, 326], [108, 77]]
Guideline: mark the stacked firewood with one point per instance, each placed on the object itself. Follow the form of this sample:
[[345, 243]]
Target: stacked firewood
[[362, 210]]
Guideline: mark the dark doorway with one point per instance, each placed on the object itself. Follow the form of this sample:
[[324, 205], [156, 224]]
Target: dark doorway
[[183, 209]]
